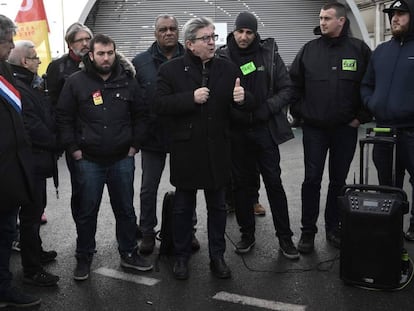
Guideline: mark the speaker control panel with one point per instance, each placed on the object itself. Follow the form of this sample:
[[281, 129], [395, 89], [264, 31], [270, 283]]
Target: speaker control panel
[[371, 204]]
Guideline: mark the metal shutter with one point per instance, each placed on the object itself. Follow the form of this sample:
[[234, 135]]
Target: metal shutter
[[130, 23]]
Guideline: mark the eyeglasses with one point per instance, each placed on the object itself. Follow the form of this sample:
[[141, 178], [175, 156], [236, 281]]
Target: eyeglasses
[[207, 39], [82, 40], [165, 29], [34, 57]]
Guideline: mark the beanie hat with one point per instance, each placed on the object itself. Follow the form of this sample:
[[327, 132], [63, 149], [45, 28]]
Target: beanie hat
[[246, 20]]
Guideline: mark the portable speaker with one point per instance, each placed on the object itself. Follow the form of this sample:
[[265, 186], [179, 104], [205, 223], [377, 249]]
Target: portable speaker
[[372, 236]]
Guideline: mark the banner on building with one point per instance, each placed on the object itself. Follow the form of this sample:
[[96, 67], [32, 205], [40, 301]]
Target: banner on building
[[32, 25]]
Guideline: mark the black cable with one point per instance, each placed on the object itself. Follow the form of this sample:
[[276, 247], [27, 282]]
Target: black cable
[[319, 267]]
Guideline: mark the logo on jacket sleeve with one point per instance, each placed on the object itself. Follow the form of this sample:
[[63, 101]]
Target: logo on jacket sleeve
[[349, 65]]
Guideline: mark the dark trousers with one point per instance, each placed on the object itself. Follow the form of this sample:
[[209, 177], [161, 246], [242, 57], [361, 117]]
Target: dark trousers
[[7, 232], [252, 149], [91, 178], [185, 202], [74, 199], [153, 163], [30, 241], [382, 156], [341, 143]]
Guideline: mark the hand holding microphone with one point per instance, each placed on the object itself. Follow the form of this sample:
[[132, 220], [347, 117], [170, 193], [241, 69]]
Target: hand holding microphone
[[201, 94]]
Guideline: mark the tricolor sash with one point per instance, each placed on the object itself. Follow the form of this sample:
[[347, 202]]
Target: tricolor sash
[[10, 94]]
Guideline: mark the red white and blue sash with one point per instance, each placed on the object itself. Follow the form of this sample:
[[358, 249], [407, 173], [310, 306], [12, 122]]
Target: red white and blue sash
[[10, 94]]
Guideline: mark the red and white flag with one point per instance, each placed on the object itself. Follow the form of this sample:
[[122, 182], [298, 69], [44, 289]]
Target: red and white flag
[[32, 25]]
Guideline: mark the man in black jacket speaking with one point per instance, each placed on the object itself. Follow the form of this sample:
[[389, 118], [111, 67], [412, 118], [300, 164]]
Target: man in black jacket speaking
[[327, 73]]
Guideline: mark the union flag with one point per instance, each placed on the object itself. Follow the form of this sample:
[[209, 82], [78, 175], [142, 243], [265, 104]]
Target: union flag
[[32, 25]]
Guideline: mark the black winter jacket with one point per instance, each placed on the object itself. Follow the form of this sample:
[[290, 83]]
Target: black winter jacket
[[327, 73], [276, 97], [57, 73], [39, 122], [101, 118], [16, 182], [200, 148], [146, 65]]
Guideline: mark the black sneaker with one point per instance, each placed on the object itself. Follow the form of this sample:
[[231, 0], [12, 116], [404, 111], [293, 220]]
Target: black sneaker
[[287, 248], [47, 256], [135, 261], [41, 278], [333, 238], [147, 244], [14, 297], [409, 235], [83, 268], [306, 243], [245, 245]]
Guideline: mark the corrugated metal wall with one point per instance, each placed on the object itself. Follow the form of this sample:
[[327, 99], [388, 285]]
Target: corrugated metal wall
[[130, 23]]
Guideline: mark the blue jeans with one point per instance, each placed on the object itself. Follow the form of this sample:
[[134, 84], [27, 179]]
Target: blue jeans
[[382, 155], [90, 180], [185, 202], [7, 232], [341, 143], [153, 163], [254, 149]]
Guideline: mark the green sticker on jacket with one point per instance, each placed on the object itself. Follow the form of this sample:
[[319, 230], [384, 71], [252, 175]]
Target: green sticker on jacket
[[349, 65], [248, 68]]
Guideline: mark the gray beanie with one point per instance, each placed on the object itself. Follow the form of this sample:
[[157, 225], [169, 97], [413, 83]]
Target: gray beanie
[[246, 20]]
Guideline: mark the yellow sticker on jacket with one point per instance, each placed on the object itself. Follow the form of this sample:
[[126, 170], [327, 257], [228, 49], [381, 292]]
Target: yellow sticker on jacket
[[349, 65], [97, 98]]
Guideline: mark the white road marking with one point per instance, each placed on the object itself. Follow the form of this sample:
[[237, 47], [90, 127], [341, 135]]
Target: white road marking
[[115, 274], [256, 302]]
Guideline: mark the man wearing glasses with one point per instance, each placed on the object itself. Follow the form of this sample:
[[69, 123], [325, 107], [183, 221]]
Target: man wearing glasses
[[41, 128], [255, 136], [197, 91], [154, 150], [77, 38]]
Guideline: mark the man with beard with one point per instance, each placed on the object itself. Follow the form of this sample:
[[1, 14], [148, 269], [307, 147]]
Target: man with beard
[[99, 120], [326, 74], [387, 91], [77, 38], [154, 150], [255, 136]]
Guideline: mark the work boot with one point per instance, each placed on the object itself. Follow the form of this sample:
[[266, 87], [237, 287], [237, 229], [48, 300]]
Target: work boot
[[180, 269], [259, 210], [220, 269]]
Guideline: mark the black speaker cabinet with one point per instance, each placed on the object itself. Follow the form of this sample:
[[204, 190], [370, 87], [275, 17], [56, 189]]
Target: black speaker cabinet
[[371, 237]]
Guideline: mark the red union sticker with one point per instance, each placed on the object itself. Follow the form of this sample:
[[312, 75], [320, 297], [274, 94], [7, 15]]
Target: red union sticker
[[97, 98]]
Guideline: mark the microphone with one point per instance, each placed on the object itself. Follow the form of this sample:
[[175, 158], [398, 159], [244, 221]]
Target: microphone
[[204, 77]]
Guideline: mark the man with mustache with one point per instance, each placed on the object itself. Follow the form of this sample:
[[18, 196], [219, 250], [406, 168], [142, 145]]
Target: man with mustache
[[387, 91]]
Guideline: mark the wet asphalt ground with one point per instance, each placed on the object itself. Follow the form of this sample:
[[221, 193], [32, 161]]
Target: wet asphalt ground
[[261, 280]]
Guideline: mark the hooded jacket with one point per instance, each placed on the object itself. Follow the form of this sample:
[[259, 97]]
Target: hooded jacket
[[101, 118], [326, 74], [387, 88], [146, 65]]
